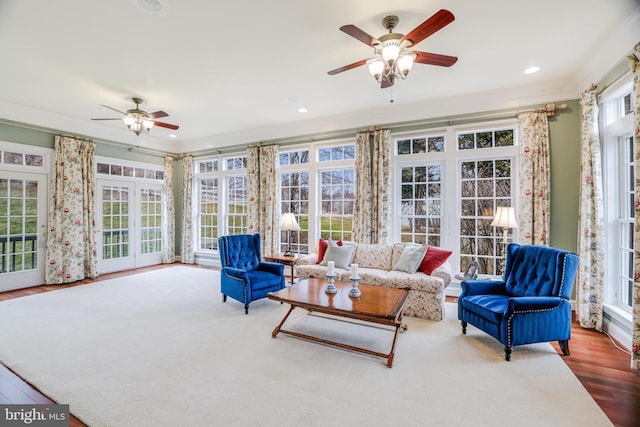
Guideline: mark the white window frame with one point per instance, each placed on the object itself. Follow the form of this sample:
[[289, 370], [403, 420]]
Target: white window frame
[[451, 159], [222, 174], [614, 128]]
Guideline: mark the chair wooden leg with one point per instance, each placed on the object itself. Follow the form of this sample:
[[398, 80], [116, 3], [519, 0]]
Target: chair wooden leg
[[464, 326], [507, 353], [564, 346], [224, 298], [246, 309]]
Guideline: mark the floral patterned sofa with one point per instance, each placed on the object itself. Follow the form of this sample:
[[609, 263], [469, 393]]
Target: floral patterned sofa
[[375, 267]]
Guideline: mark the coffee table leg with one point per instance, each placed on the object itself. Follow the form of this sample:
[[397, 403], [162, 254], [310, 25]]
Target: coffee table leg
[[393, 346], [277, 329]]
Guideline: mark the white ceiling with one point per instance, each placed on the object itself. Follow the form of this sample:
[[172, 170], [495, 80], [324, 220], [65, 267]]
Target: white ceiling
[[227, 72]]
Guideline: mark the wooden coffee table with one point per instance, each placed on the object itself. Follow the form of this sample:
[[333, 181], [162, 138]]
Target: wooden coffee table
[[376, 305]]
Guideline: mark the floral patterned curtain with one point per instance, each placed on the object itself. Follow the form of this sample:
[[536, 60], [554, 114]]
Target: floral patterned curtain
[[590, 289], [187, 253], [535, 179], [71, 245], [371, 209], [253, 189], [263, 192], [634, 62], [168, 214]]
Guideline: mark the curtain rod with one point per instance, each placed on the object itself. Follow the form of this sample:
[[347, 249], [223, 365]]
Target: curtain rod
[[151, 151]]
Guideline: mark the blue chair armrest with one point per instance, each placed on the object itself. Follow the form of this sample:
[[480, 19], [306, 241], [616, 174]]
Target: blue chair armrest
[[236, 273], [520, 304], [271, 267], [482, 287]]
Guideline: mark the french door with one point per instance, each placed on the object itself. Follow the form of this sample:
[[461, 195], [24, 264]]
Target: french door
[[130, 214], [23, 216]]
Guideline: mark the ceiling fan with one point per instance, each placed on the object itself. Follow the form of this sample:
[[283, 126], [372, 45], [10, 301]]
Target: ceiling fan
[[139, 121], [393, 58]]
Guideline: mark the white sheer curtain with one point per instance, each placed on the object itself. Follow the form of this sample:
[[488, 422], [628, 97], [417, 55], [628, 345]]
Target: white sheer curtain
[[590, 288], [71, 244], [168, 214], [187, 252]]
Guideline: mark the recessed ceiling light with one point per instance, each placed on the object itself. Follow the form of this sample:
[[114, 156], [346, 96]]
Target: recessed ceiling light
[[172, 136], [532, 69], [152, 7], [302, 110]]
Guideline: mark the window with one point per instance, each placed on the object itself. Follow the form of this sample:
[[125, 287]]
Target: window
[[208, 213], [337, 152], [420, 145], [626, 221], [18, 225], [151, 220], [484, 185], [619, 193], [477, 164], [294, 197], [421, 204], [337, 195], [121, 168], [221, 199], [237, 204]]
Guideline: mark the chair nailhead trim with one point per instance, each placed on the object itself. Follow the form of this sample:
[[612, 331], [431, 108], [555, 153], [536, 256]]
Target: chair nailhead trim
[[524, 312]]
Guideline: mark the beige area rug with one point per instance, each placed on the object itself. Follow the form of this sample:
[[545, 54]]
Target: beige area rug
[[161, 349]]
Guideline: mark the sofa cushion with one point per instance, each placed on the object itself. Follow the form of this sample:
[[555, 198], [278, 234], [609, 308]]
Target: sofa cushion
[[411, 257], [373, 256], [398, 248], [434, 258], [399, 279], [340, 255], [322, 248]]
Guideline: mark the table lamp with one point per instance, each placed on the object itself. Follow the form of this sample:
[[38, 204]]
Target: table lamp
[[506, 218], [289, 223]]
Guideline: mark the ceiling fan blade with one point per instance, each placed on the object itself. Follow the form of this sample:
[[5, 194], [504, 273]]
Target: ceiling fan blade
[[358, 34], [119, 118], [111, 108], [434, 59], [166, 125], [438, 20], [347, 67], [158, 115]]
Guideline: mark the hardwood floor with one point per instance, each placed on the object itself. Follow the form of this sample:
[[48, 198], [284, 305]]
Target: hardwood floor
[[602, 369]]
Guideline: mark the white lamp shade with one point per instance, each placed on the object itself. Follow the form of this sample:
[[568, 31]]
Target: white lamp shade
[[505, 217], [390, 52], [405, 62], [288, 222], [376, 68]]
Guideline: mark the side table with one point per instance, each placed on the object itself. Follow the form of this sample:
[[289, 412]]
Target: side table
[[280, 258]]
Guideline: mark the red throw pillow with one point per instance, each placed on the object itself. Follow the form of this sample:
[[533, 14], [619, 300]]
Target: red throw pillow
[[322, 248], [433, 259]]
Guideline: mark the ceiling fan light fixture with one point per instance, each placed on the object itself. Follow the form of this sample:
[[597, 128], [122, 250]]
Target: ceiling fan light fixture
[[376, 68], [390, 52], [405, 63]]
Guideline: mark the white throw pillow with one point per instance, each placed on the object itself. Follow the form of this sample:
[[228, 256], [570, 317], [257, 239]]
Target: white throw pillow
[[340, 255], [411, 257]]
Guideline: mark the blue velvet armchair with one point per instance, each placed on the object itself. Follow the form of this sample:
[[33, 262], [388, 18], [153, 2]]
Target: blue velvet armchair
[[244, 276], [531, 304]]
